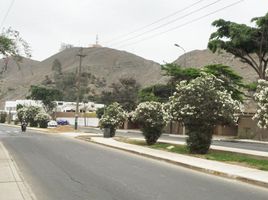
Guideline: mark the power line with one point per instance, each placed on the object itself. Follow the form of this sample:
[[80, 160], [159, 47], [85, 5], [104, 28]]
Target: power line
[[169, 22], [182, 25], [8, 10], [155, 22]]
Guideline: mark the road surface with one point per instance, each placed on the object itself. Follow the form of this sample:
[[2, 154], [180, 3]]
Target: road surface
[[60, 168]]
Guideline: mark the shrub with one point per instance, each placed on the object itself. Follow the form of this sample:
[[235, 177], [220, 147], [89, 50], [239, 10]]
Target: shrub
[[113, 117], [100, 112], [42, 119], [200, 105], [30, 115], [21, 113], [152, 118], [261, 97], [3, 116]]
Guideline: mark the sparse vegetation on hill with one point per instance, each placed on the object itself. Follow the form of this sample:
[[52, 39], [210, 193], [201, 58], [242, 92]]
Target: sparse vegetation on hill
[[100, 68]]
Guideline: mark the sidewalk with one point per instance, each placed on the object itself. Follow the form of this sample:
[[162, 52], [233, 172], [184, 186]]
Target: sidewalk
[[12, 186], [253, 176]]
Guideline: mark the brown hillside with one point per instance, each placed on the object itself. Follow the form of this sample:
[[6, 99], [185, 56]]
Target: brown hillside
[[106, 63], [200, 58]]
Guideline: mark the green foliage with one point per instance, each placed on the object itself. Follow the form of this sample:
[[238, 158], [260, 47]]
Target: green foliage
[[100, 112], [11, 44], [199, 139], [177, 73], [200, 105], [152, 118], [261, 98], [42, 119], [21, 113], [158, 93], [46, 95], [19, 106], [113, 117], [3, 116], [30, 115], [243, 41], [125, 92], [67, 83], [252, 87], [232, 82]]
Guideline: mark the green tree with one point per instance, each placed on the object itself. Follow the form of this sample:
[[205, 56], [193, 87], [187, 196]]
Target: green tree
[[67, 83], [11, 44], [46, 95], [100, 112], [177, 73], [158, 93], [250, 44], [231, 81], [125, 92]]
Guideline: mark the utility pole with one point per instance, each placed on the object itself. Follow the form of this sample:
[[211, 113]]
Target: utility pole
[[81, 56]]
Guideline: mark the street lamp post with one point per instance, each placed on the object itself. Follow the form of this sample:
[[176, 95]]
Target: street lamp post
[[184, 53], [183, 127]]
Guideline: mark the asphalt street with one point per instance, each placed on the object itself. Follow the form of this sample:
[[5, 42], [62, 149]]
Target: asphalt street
[[58, 168], [233, 144]]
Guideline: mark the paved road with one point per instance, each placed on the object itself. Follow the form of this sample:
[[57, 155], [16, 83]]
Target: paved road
[[241, 145], [61, 168]]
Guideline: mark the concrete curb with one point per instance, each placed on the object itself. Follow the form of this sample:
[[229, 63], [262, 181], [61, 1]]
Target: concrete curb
[[28, 128], [24, 189], [201, 169]]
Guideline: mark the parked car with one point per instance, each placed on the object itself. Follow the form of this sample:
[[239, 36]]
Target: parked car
[[62, 122], [52, 123]]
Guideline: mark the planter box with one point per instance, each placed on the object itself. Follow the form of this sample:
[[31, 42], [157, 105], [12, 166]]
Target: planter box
[[107, 132]]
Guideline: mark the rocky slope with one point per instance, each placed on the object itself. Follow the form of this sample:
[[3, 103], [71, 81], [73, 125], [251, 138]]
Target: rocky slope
[[103, 63]]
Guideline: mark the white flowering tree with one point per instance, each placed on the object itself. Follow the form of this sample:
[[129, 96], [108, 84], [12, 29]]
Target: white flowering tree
[[152, 117], [113, 117], [261, 97], [42, 119], [200, 105]]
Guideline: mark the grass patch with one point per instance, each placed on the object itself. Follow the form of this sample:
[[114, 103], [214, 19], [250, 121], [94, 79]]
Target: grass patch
[[223, 156]]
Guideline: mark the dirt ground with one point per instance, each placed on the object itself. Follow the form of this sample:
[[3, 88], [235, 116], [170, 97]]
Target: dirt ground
[[60, 129]]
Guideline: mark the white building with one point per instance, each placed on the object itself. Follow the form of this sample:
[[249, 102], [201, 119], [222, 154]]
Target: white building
[[11, 106], [63, 106]]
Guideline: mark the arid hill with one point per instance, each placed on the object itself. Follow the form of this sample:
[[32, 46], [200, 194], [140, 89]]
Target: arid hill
[[103, 63], [200, 58]]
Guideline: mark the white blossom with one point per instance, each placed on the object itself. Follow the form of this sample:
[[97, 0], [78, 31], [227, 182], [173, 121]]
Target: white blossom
[[261, 97]]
